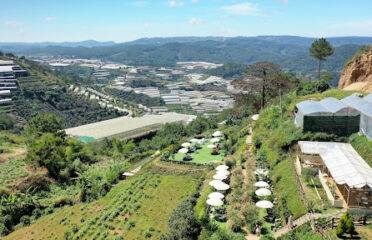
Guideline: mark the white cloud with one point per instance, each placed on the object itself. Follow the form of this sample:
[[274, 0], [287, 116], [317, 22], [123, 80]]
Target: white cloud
[[13, 23], [145, 25], [363, 28], [48, 19], [196, 21], [245, 8], [175, 4], [194, 1]]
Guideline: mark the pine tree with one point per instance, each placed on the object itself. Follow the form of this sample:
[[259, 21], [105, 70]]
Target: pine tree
[[320, 50]]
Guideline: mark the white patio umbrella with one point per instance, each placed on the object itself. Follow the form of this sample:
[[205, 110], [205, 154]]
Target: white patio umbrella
[[219, 185], [261, 184], [224, 172], [222, 167], [215, 140], [194, 140], [211, 146], [186, 144], [214, 202], [255, 117], [264, 172], [263, 192], [264, 204], [216, 195], [217, 134], [220, 176], [183, 150]]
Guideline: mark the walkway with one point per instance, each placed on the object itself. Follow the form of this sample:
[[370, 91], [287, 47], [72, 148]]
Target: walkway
[[306, 218]]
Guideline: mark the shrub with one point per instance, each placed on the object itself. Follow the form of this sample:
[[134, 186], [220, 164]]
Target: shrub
[[187, 158], [25, 220], [235, 223], [4, 192], [62, 201]]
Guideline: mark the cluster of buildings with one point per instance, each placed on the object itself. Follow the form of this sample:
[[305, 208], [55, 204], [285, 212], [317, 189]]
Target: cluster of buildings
[[8, 80], [198, 65], [344, 175]]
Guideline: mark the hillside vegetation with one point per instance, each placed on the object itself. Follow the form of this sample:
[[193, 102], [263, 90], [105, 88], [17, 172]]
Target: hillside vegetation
[[42, 91]]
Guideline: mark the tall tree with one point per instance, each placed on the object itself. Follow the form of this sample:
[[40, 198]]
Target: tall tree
[[264, 71], [320, 50]]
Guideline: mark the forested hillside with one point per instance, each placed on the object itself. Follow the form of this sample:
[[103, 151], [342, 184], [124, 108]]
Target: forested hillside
[[43, 91]]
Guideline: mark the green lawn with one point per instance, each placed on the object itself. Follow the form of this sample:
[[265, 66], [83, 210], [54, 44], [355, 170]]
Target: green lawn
[[202, 155]]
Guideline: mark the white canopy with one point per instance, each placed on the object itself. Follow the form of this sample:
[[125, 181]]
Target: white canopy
[[255, 117], [264, 172], [128, 174], [221, 177], [343, 162], [223, 172], [222, 167], [215, 202], [263, 192], [217, 134], [215, 140], [219, 185], [183, 150], [260, 171], [211, 146], [261, 184], [216, 195], [194, 140], [264, 204], [186, 144]]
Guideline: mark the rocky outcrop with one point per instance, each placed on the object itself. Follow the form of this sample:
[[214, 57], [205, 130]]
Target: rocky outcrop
[[357, 74]]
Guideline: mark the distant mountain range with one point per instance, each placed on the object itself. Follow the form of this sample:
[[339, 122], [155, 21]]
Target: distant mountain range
[[291, 52]]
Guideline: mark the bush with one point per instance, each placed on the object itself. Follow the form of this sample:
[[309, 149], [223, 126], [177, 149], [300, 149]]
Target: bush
[[187, 158], [4, 192], [62, 201], [25, 220]]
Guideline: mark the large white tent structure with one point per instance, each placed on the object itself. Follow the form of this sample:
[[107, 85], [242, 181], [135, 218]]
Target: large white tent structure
[[351, 174], [364, 107]]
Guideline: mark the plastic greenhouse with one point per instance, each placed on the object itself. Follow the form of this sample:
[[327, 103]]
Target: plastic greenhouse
[[329, 115], [368, 98], [364, 107]]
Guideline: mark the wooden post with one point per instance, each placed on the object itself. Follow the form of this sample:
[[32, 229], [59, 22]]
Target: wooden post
[[333, 222]]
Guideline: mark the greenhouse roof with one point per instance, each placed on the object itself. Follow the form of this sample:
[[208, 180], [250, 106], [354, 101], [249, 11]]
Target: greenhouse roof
[[311, 107], [328, 105], [333, 104], [368, 98], [360, 104], [343, 162]]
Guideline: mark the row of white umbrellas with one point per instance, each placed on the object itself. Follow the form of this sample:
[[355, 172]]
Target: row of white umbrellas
[[215, 199], [263, 190]]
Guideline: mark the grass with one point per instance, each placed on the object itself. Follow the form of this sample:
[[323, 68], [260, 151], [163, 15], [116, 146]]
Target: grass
[[202, 155], [11, 171], [286, 188], [135, 209]]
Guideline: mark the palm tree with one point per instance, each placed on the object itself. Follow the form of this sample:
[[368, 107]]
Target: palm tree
[[320, 50]]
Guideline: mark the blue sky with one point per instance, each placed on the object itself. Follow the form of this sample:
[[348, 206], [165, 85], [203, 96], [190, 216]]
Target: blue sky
[[125, 20]]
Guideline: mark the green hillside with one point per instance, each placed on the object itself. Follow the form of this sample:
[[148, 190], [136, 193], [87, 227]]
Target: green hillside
[[42, 91]]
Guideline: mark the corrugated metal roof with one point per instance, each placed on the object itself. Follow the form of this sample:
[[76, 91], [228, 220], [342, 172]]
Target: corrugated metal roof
[[343, 162]]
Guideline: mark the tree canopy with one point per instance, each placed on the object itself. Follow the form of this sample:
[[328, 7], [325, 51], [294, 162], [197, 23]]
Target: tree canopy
[[320, 50]]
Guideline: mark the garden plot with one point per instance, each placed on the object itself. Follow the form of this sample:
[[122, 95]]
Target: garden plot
[[202, 155]]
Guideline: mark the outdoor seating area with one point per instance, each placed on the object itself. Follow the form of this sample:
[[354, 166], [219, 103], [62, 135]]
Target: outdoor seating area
[[205, 150], [345, 176], [216, 199]]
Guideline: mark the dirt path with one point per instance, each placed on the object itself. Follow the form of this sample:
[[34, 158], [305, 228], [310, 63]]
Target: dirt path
[[16, 153]]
